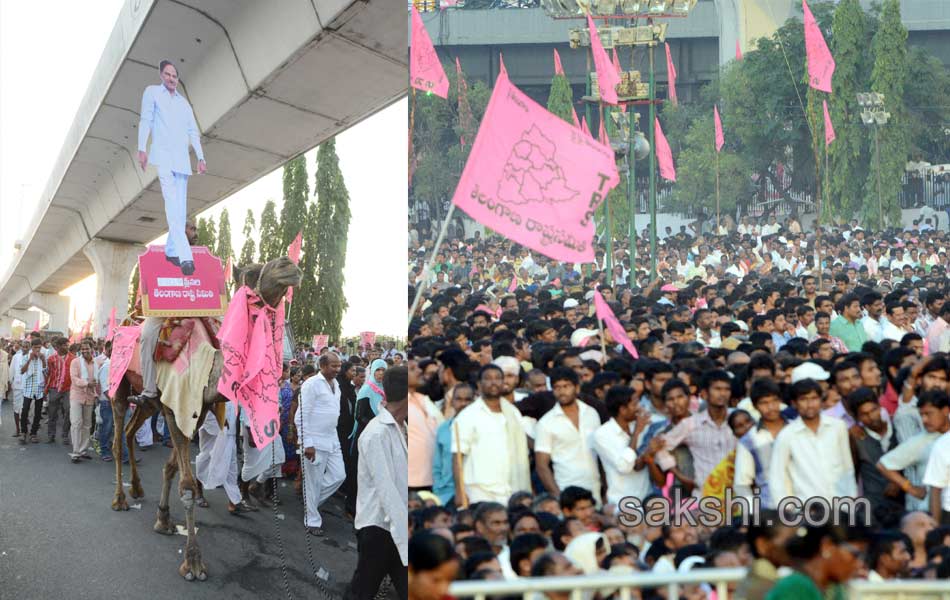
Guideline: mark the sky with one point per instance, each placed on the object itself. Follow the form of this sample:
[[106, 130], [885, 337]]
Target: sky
[[45, 64]]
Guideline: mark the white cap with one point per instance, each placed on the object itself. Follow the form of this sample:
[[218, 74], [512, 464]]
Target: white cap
[[508, 364], [579, 337], [570, 303], [809, 370]]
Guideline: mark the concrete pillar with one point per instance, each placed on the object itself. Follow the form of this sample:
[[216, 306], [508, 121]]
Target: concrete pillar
[[28, 317], [113, 263], [56, 306], [6, 326]]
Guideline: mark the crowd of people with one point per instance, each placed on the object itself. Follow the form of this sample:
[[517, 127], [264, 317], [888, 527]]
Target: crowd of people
[[779, 371], [334, 408]]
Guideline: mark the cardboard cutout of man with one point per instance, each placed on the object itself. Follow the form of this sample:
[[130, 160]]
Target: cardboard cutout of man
[[151, 328], [169, 118]]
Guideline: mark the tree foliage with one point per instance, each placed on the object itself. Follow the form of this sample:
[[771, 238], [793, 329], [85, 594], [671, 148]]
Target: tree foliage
[[270, 239], [329, 242], [439, 156], [249, 249], [293, 212], [887, 77], [561, 99], [224, 250], [207, 233]]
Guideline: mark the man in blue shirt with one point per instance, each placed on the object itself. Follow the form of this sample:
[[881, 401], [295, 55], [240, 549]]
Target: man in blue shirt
[[443, 481], [169, 118]]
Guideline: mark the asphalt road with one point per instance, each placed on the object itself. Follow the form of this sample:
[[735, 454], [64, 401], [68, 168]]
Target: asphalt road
[[60, 539]]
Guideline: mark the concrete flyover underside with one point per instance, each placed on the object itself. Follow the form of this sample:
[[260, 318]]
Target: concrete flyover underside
[[267, 81]]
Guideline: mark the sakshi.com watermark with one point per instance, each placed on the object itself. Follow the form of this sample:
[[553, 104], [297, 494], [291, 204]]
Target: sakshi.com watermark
[[712, 511]]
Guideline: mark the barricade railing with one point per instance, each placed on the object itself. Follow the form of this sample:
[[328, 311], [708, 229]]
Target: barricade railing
[[900, 589], [526, 587]]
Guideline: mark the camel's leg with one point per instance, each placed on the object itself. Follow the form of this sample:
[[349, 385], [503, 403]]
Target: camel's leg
[[119, 408], [142, 413], [192, 567], [163, 522]]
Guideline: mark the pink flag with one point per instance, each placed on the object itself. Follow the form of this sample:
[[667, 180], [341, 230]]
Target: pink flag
[[738, 51], [615, 60], [533, 179], [514, 284], [720, 138], [293, 251], [829, 128], [574, 114], [111, 327], [227, 271], [320, 341], [36, 326], [367, 338], [558, 68], [584, 126], [821, 65], [612, 324], [607, 77], [663, 154], [252, 339], [501, 66], [124, 346], [603, 134], [671, 72], [425, 68]]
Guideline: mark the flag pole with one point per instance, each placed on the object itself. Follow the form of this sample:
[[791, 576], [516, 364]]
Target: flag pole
[[717, 192], [428, 264]]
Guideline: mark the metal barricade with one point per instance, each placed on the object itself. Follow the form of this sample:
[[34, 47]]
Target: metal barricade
[[526, 587], [900, 589]]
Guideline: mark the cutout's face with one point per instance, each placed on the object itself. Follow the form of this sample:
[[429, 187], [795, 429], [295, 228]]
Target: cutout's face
[[170, 77]]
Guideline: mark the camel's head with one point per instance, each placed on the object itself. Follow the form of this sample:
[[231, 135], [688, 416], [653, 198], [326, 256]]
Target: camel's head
[[278, 275]]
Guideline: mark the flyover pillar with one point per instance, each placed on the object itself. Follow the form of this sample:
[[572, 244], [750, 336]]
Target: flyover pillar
[[6, 326], [28, 317], [113, 263], [56, 306]]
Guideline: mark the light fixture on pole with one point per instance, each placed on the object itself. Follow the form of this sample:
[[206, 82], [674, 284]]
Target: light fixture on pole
[[874, 116]]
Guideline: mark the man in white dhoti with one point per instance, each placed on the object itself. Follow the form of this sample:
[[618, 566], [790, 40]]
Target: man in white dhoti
[[169, 118], [216, 464], [321, 456], [261, 465]]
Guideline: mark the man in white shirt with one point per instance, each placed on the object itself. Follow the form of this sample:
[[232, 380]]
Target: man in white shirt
[[937, 476], [563, 439], [615, 442], [382, 516], [490, 444], [321, 455], [167, 115], [873, 303], [811, 439], [16, 380]]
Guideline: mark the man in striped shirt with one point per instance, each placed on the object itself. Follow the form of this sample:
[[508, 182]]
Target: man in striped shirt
[[33, 371], [57, 386]]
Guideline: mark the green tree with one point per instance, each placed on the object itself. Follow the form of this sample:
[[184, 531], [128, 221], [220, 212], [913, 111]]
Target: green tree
[[304, 307], [224, 250], [296, 193], [887, 77], [561, 99], [249, 248], [439, 156], [270, 238], [847, 164], [133, 288], [329, 241], [206, 233]]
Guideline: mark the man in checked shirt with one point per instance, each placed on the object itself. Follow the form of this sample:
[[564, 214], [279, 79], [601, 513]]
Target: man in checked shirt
[[33, 372], [57, 386]]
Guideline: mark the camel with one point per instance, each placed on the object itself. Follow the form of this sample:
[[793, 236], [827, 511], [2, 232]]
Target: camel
[[276, 276]]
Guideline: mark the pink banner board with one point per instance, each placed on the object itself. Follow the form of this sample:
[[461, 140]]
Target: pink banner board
[[168, 293]]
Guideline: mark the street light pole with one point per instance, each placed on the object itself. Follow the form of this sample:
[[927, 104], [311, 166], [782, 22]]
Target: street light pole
[[652, 168], [877, 160], [631, 198]]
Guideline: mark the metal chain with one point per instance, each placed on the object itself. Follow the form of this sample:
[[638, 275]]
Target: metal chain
[[280, 540], [321, 585]]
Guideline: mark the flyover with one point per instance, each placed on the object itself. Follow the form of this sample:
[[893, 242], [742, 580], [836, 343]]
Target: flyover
[[267, 82]]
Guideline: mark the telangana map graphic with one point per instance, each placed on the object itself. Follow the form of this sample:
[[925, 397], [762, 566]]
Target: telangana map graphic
[[531, 173]]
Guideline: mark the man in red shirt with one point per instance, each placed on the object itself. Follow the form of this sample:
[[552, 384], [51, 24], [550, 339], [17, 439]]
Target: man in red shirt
[[57, 386]]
